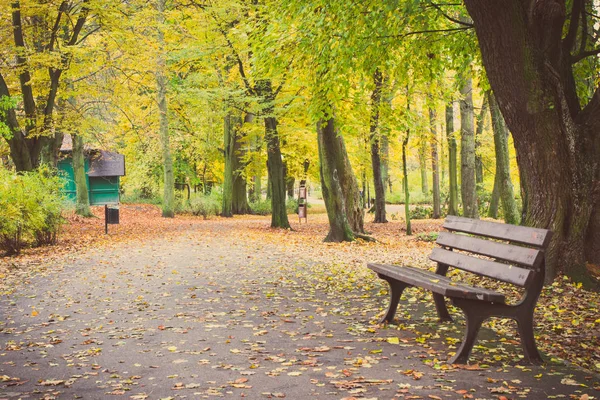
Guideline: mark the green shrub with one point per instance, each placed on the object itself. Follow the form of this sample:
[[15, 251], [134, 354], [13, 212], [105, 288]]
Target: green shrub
[[427, 236], [421, 212], [140, 196], [262, 207], [31, 207], [205, 205], [416, 197]]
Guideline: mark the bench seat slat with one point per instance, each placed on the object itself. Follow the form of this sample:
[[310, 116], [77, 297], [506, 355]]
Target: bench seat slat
[[512, 233], [436, 283], [503, 272], [528, 257]]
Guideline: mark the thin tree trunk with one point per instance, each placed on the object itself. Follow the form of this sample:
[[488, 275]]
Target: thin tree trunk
[[168, 206], [82, 200], [423, 164], [405, 171], [406, 191], [228, 153], [495, 199], [435, 167], [452, 163], [257, 192], [385, 159], [509, 206], [478, 133], [375, 158], [468, 188], [290, 183], [239, 200]]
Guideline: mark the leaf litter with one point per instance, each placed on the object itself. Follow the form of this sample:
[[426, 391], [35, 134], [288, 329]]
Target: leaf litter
[[307, 311]]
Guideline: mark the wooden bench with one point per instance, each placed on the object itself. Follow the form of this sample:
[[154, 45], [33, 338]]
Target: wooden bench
[[505, 258]]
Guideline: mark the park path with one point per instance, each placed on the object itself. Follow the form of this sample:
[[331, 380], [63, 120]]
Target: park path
[[216, 311]]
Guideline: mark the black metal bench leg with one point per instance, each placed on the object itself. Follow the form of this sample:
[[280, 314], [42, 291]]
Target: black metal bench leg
[[396, 289], [440, 305], [532, 355], [474, 322]]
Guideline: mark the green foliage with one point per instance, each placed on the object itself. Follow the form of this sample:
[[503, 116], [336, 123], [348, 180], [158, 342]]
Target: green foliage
[[421, 212], [30, 209], [6, 103], [263, 207], [205, 205], [141, 195], [416, 197], [427, 236]]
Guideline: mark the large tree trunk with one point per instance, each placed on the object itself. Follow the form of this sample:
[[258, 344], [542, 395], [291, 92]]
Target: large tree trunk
[[229, 134], [276, 169], [435, 166], [505, 188], [168, 206], [468, 188], [339, 186], [529, 66], [452, 166], [378, 182], [279, 218], [82, 200]]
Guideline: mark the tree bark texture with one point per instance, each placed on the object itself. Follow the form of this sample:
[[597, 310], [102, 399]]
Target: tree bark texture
[[378, 182], [481, 118], [82, 200], [339, 186], [406, 191], [505, 188], [239, 199], [423, 150], [435, 166], [452, 162], [495, 198], [529, 64], [228, 153], [468, 187], [276, 169]]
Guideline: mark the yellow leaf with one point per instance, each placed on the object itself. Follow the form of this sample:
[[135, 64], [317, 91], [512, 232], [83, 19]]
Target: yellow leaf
[[393, 340], [34, 313]]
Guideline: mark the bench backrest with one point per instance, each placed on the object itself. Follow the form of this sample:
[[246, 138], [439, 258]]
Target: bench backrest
[[506, 260]]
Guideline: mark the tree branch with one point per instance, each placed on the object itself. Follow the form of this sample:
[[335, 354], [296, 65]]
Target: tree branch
[[80, 23], [569, 40], [24, 75], [439, 8], [451, 30], [239, 62], [584, 54], [61, 10]]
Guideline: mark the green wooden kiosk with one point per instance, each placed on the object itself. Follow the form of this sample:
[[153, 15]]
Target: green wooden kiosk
[[103, 170]]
